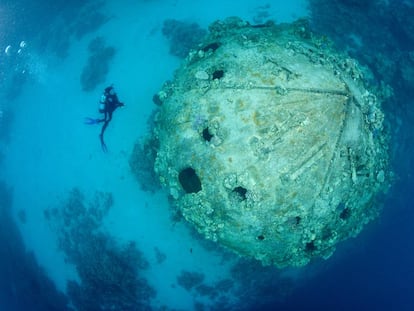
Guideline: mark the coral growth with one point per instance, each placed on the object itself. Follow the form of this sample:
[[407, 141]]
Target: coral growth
[[188, 279], [265, 285], [109, 273], [183, 36], [379, 33], [97, 67], [142, 161], [24, 284], [110, 277], [89, 21]]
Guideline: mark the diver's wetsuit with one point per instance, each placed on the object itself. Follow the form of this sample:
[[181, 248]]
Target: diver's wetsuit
[[111, 102]]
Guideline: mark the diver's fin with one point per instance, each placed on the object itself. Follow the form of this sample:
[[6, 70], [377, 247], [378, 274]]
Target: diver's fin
[[103, 145]]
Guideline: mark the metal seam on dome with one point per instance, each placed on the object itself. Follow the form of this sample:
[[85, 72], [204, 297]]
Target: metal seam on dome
[[302, 166], [275, 88], [335, 148]]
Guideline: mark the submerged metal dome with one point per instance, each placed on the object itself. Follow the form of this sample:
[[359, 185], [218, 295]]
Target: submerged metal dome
[[270, 144]]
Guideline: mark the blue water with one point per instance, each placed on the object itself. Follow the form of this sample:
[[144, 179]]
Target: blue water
[[79, 232]]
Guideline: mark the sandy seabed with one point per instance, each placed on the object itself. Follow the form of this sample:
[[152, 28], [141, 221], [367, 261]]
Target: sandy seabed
[[51, 150]]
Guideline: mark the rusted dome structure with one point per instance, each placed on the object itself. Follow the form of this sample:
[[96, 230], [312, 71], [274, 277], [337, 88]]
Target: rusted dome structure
[[270, 143]]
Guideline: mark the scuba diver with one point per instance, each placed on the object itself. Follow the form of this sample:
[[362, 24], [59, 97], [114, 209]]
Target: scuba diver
[[107, 105]]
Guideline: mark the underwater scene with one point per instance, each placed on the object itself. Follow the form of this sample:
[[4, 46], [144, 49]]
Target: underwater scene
[[175, 155]]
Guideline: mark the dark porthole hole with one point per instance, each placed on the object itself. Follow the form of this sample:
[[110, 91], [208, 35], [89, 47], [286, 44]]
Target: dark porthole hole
[[157, 100], [189, 180], [241, 192], [207, 136], [212, 46], [310, 247], [261, 237], [218, 74], [345, 213]]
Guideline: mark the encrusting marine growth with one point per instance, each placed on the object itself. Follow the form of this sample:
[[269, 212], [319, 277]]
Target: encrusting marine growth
[[270, 143]]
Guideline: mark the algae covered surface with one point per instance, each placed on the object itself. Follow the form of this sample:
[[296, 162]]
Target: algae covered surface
[[271, 144]]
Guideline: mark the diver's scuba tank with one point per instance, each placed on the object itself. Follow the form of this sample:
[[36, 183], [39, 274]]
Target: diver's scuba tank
[[102, 104]]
